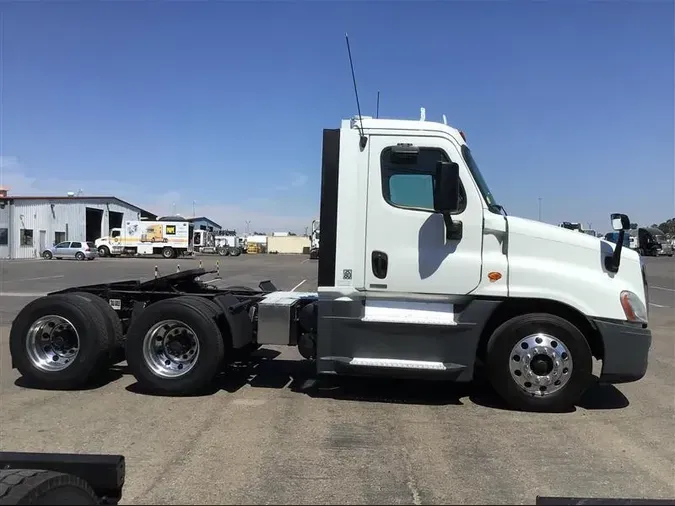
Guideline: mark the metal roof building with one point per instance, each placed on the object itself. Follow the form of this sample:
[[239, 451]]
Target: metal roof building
[[29, 224]]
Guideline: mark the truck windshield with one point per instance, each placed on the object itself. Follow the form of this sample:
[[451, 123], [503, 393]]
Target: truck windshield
[[478, 177]]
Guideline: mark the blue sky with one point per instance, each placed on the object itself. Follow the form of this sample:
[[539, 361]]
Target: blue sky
[[224, 103]]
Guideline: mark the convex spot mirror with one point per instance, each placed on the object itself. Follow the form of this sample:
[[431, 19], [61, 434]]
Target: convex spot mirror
[[620, 222]]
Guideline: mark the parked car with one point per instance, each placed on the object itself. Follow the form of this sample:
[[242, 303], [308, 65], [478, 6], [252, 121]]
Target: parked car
[[79, 250]]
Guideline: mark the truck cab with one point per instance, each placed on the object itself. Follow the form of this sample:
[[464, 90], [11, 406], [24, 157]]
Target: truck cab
[[420, 269]]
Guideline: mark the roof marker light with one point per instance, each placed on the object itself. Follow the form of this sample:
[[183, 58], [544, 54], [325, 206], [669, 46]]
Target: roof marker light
[[463, 136], [445, 120]]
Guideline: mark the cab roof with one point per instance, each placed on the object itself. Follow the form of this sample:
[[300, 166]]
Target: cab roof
[[370, 123]]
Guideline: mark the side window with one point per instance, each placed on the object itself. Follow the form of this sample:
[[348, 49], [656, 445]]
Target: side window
[[63, 245], [75, 244], [409, 182], [115, 233]]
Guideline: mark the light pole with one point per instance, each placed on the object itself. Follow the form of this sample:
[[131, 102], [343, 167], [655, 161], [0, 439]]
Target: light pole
[[539, 208], [248, 223], [194, 202]]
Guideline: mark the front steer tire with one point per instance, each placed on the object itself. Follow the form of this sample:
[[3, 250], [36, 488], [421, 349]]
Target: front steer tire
[[499, 358], [202, 317], [32, 486], [92, 346]]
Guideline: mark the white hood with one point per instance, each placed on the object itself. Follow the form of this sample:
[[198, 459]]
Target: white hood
[[554, 262]]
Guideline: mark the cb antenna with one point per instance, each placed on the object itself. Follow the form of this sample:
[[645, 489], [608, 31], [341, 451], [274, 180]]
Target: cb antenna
[[377, 108], [363, 140]]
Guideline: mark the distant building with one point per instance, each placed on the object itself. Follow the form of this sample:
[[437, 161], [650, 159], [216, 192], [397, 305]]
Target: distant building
[[29, 224], [203, 223]]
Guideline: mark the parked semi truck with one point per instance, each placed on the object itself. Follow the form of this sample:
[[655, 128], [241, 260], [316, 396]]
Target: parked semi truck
[[207, 242], [138, 237], [314, 240], [420, 274]]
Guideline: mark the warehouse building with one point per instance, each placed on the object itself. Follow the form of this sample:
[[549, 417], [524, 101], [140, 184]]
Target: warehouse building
[[29, 225]]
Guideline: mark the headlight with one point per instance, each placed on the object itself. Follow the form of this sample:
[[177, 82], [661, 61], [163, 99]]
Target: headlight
[[633, 307]]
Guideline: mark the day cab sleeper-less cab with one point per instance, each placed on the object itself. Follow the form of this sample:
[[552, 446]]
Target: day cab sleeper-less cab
[[421, 274]]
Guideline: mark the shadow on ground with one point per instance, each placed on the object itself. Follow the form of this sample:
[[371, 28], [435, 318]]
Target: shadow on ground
[[263, 370]]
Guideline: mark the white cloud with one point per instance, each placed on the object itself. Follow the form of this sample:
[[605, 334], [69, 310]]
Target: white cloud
[[262, 215]]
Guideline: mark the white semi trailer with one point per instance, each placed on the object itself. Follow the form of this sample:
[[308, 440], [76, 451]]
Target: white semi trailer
[[421, 274]]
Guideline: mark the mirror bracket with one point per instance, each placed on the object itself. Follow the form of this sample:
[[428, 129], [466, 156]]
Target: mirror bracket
[[453, 229]]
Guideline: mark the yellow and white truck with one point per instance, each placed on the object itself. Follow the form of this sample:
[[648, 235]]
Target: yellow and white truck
[[166, 238]]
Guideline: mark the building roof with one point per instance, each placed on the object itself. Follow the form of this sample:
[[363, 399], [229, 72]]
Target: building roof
[[204, 218], [78, 197]]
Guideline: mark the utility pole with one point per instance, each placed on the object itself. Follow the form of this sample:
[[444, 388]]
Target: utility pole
[[248, 223], [194, 202], [539, 208]]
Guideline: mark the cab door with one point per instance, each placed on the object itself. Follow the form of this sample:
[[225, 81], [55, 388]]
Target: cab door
[[406, 246]]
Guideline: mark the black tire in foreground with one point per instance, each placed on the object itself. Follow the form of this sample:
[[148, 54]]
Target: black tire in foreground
[[103, 251], [58, 342], [28, 486], [539, 362], [235, 251], [175, 346], [79, 256], [168, 252], [47, 255]]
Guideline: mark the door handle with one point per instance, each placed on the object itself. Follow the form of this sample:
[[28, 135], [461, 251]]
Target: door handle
[[380, 263]]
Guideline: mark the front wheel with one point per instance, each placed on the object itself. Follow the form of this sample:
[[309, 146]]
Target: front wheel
[[103, 251], [539, 362]]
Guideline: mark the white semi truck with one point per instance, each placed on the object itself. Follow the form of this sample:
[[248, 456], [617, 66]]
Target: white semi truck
[[167, 238], [207, 242], [420, 274], [314, 239]]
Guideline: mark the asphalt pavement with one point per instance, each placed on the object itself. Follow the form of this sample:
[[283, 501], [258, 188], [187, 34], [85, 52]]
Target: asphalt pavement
[[270, 433]]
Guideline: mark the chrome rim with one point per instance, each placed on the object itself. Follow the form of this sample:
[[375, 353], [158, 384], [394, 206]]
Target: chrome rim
[[170, 349], [52, 343], [540, 364]]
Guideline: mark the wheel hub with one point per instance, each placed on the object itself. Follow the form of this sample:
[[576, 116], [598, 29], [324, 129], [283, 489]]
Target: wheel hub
[[52, 343], [170, 348], [540, 364]]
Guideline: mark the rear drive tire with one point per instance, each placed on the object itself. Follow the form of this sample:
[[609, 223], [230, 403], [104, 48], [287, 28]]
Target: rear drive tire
[[175, 345], [59, 342], [47, 255], [235, 252], [168, 252], [79, 256], [113, 324], [33, 486], [539, 362]]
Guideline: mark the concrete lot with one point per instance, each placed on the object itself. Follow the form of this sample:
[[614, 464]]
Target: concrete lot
[[271, 434]]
